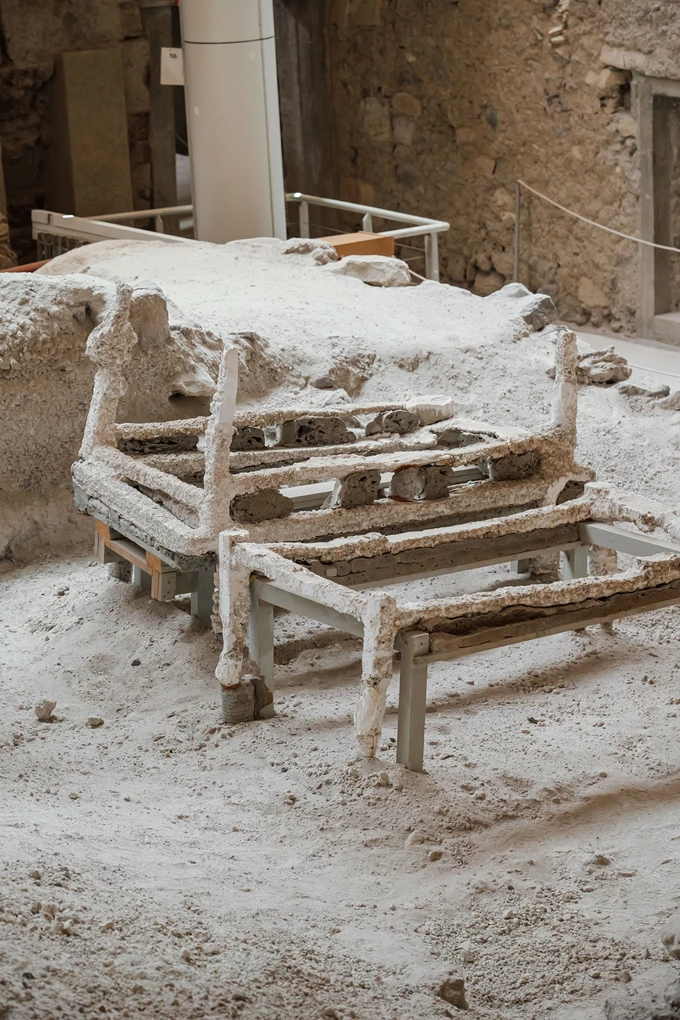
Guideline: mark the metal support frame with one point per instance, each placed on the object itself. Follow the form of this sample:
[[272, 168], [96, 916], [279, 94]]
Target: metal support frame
[[261, 644], [575, 563], [432, 256], [303, 214], [87, 230], [622, 540], [202, 596], [141, 578], [412, 700], [275, 595], [420, 226], [413, 646]]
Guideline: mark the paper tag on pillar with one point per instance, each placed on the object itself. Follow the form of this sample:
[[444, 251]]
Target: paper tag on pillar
[[172, 66]]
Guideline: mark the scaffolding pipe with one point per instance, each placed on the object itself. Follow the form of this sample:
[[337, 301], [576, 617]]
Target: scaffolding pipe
[[233, 119]]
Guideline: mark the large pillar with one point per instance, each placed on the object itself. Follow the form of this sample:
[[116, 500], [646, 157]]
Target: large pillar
[[233, 119]]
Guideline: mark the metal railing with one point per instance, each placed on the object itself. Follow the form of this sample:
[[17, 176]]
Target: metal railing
[[158, 216], [58, 232], [420, 225]]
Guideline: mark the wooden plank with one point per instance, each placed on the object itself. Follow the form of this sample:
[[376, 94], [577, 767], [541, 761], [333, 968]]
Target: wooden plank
[[156, 563], [305, 95], [149, 571], [644, 111], [103, 514], [290, 99], [361, 242], [128, 551], [102, 529], [99, 548], [28, 267], [163, 585]]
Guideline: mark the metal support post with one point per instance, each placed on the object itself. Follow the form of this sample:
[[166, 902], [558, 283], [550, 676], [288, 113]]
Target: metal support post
[[202, 596], [140, 578], [261, 644], [432, 257], [304, 219], [412, 698], [575, 563]]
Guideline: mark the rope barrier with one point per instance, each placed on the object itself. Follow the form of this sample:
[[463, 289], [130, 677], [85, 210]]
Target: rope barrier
[[593, 223]]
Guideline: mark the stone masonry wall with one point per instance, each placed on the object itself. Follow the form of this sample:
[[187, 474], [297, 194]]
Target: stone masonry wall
[[441, 104], [32, 32]]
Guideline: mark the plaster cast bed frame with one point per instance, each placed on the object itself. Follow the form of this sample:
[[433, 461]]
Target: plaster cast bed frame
[[588, 531], [175, 527], [179, 519]]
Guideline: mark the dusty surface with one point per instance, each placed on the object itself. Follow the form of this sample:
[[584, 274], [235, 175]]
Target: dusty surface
[[262, 871], [388, 343]]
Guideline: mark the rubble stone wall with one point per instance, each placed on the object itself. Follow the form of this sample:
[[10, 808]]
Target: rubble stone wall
[[32, 33], [439, 107]]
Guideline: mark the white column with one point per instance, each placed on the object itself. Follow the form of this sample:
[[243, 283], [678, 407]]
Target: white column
[[233, 119]]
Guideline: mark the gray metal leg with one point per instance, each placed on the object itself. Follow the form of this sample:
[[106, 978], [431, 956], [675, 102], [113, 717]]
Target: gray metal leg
[[412, 698], [121, 570], [261, 645], [140, 578], [575, 563], [202, 596]]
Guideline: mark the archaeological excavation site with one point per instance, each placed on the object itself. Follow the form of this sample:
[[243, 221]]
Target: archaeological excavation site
[[340, 509]]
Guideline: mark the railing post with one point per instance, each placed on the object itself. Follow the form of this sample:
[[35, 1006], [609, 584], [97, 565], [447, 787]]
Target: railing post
[[158, 222], [367, 222], [304, 219], [517, 214], [432, 257]]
